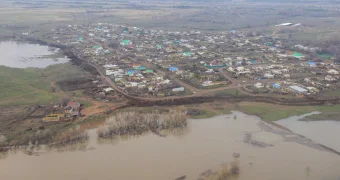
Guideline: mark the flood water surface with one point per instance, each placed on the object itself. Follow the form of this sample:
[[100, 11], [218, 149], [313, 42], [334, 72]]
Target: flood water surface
[[23, 55], [266, 153], [324, 132]]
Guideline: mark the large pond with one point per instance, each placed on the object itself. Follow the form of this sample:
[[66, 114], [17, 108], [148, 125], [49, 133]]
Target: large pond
[[266, 153], [23, 55], [326, 132]]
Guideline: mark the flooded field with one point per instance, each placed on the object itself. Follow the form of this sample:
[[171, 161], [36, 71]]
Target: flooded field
[[266, 153], [22, 55], [323, 132]]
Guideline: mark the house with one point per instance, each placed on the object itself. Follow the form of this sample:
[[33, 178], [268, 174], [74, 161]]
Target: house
[[73, 105], [269, 76], [241, 68], [179, 89], [298, 55], [230, 69], [258, 85], [187, 54], [332, 71], [286, 75], [311, 64], [276, 86], [108, 89], [285, 70], [207, 83], [72, 108], [173, 69], [276, 72], [330, 78], [126, 42]]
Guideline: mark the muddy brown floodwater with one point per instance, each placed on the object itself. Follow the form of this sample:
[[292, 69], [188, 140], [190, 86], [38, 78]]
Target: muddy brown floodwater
[[267, 153]]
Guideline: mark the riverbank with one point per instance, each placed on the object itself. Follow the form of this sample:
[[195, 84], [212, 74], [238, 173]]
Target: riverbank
[[323, 132], [191, 154]]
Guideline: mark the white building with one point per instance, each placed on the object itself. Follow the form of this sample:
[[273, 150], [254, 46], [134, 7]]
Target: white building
[[332, 71], [258, 85], [268, 75], [241, 68], [330, 78]]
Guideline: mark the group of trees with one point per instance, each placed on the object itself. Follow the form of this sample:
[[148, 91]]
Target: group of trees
[[329, 45]]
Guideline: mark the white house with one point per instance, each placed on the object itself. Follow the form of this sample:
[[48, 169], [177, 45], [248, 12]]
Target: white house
[[330, 78], [241, 68], [276, 71], [258, 85], [332, 71], [286, 76], [268, 75]]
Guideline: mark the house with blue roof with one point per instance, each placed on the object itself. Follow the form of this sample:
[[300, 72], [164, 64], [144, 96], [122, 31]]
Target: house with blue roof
[[173, 69]]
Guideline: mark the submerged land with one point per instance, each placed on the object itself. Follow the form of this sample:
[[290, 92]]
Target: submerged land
[[133, 68]]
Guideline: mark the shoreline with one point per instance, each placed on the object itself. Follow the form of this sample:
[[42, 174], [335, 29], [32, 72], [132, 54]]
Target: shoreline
[[326, 148]]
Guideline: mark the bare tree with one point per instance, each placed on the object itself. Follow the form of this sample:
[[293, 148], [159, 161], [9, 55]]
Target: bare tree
[[3, 139], [101, 95], [108, 111]]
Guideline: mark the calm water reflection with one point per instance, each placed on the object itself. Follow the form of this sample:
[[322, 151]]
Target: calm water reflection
[[22, 55], [323, 132]]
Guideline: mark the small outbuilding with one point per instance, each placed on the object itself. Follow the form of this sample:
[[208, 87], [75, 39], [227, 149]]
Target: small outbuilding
[[298, 89]]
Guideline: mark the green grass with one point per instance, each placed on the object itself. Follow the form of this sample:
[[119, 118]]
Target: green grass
[[332, 93], [214, 86], [205, 114], [276, 112], [31, 85], [233, 92], [86, 103], [273, 113]]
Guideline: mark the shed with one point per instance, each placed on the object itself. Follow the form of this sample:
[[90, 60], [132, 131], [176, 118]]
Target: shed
[[178, 89], [298, 89], [148, 71]]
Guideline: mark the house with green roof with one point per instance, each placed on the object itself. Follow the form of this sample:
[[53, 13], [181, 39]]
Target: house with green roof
[[298, 55], [187, 54], [148, 71], [159, 46], [126, 42], [97, 47]]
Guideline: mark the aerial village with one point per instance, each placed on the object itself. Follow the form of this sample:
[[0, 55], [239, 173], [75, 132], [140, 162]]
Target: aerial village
[[157, 63]]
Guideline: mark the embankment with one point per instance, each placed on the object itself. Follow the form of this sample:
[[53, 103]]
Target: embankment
[[233, 99]]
